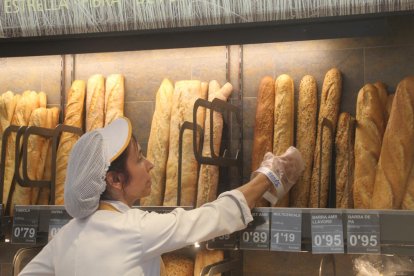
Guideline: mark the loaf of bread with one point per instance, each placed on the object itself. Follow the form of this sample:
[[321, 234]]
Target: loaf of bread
[[41, 195], [329, 109], [36, 158], [10, 152], [73, 117], [158, 143], [344, 163], [209, 175], [369, 131], [42, 99], [283, 130], [408, 200], [205, 258], [95, 102], [263, 128], [382, 93], [114, 97], [390, 99], [397, 151], [29, 101], [7, 105], [184, 97], [176, 264], [305, 138]]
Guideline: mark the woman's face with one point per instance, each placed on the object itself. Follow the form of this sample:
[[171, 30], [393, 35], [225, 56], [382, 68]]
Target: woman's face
[[138, 167]]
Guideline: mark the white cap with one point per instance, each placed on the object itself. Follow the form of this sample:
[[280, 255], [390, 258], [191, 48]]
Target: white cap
[[88, 163]]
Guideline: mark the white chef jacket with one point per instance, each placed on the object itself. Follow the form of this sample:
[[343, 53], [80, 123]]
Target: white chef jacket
[[130, 242]]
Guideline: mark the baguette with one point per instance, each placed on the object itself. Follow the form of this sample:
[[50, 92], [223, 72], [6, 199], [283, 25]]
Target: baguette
[[24, 108], [283, 123], [390, 99], [41, 195], [10, 150], [329, 109], [95, 102], [344, 163], [209, 174], [73, 117], [178, 265], [383, 95], [184, 97], [397, 151], [36, 155], [158, 143], [370, 129], [305, 138], [408, 200], [263, 128], [114, 97], [7, 106]]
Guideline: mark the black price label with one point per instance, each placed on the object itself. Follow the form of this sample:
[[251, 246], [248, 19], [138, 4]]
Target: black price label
[[363, 232], [286, 231], [58, 218], [25, 225], [256, 235], [327, 232], [223, 242]]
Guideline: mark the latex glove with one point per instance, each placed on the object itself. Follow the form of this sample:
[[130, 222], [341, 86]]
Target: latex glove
[[283, 171]]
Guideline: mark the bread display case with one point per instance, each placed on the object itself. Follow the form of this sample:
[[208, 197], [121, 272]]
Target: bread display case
[[290, 239]]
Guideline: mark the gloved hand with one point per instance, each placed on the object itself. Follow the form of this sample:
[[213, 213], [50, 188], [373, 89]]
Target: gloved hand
[[283, 171]]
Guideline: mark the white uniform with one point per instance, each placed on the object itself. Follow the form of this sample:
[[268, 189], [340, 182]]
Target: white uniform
[[131, 241]]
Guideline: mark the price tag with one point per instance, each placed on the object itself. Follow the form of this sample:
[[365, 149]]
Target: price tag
[[363, 232], [228, 241], [286, 231], [25, 225], [58, 218], [256, 235], [327, 232]]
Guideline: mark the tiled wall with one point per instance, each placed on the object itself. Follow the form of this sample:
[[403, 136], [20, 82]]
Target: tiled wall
[[361, 60]]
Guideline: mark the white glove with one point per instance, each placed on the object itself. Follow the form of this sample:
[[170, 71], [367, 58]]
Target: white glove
[[283, 171]]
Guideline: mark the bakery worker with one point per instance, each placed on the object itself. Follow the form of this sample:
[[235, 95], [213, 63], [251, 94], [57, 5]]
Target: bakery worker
[[106, 174]]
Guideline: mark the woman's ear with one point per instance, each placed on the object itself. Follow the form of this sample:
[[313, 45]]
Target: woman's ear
[[114, 180]]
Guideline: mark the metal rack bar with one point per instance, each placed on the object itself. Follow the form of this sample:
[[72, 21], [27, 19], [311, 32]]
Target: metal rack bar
[[219, 267]]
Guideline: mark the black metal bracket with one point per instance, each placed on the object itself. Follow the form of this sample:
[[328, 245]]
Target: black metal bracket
[[5, 139], [187, 126], [219, 267], [215, 159], [25, 181]]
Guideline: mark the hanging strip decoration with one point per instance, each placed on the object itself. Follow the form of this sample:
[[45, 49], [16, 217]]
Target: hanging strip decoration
[[22, 18]]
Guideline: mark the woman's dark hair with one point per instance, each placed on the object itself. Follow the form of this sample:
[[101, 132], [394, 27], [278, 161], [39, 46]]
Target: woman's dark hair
[[119, 165]]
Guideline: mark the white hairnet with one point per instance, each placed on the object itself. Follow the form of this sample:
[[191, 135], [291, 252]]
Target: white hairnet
[[88, 163]]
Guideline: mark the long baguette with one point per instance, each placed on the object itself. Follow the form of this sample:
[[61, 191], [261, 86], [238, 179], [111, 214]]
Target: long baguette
[[73, 117], [329, 109], [209, 174], [305, 138], [184, 97], [24, 108], [95, 102], [283, 123], [263, 128], [158, 143], [114, 97], [8, 103], [344, 163], [397, 151], [368, 139]]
